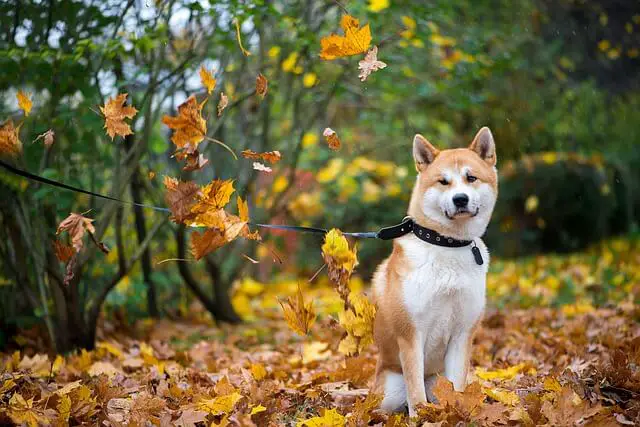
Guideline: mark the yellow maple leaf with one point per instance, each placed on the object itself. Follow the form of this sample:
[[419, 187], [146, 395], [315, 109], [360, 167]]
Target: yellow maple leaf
[[220, 405], [243, 209], [24, 102], [340, 259], [214, 195], [358, 324], [504, 396], [9, 139], [189, 126], [258, 371], [114, 112], [330, 418], [207, 79], [257, 409], [355, 40], [22, 412], [298, 315], [64, 408]]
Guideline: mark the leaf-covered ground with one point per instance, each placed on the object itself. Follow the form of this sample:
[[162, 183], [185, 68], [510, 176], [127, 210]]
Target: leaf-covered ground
[[548, 364]]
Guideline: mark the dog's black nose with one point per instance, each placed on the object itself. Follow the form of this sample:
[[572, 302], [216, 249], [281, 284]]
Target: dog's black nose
[[461, 200]]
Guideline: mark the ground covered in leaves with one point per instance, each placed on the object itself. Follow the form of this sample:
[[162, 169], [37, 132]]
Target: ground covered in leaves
[[571, 364]]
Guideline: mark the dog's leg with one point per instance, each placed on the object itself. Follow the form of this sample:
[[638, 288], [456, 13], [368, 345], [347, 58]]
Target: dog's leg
[[412, 360], [395, 392], [429, 382], [456, 360]]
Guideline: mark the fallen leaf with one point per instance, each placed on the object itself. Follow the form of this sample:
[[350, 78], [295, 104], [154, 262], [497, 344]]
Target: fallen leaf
[[315, 351], [24, 102], [504, 396], [261, 85], [270, 156], [190, 128], [76, 224], [258, 371], [64, 408], [22, 412], [9, 139], [298, 315], [207, 79], [262, 168], [355, 40], [220, 405], [257, 409], [370, 64], [222, 104], [500, 374], [191, 417], [106, 368], [114, 112], [332, 139], [330, 418]]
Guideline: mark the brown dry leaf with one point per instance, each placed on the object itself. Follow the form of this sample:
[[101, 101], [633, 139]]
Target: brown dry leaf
[[106, 368], [190, 128], [568, 408], [207, 242], [362, 411], [191, 417], [9, 139], [68, 274], [115, 112], [222, 104], [262, 85], [262, 168], [63, 251], [298, 315], [48, 138], [207, 79], [341, 260], [76, 224], [465, 403], [332, 139], [270, 156], [181, 197], [370, 64], [24, 102], [355, 40], [195, 161]]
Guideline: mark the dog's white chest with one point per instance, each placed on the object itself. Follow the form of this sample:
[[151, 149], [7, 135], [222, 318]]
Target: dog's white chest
[[444, 292]]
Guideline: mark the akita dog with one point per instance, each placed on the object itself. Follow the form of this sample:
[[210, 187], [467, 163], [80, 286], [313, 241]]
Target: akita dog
[[430, 292]]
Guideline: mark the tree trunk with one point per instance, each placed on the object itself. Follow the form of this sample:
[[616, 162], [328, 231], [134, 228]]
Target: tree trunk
[[226, 312]]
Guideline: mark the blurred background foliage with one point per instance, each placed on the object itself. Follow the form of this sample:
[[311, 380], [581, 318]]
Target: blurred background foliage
[[556, 81]]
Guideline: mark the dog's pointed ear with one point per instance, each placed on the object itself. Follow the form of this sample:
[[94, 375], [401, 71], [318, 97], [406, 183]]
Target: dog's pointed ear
[[484, 145], [423, 152]]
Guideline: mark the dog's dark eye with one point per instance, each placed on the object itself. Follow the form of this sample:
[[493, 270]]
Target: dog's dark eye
[[471, 178], [443, 181]]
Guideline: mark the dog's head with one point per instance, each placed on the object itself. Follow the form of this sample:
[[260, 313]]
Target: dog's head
[[456, 189]]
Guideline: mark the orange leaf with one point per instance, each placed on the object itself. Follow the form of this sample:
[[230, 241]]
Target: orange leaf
[[298, 315], [270, 156], [76, 224], [63, 252], [115, 112], [214, 195], [243, 209], [9, 139], [355, 40], [180, 196], [261, 85], [24, 102], [207, 242], [222, 104], [207, 79], [189, 126], [332, 139]]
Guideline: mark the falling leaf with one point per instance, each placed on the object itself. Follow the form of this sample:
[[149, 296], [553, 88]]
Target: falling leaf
[[195, 161], [243, 209], [207, 242], [330, 418], [315, 351], [298, 315], [181, 197], [261, 85], [48, 138], [355, 40], [151, 175], [340, 258], [378, 5], [270, 156], [63, 252], [190, 128], [222, 104], [239, 37], [9, 139], [24, 102], [357, 322], [207, 79], [76, 224], [214, 195], [262, 168], [370, 64], [115, 112], [332, 139]]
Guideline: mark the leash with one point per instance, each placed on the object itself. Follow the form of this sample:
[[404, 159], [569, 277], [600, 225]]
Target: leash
[[408, 225]]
